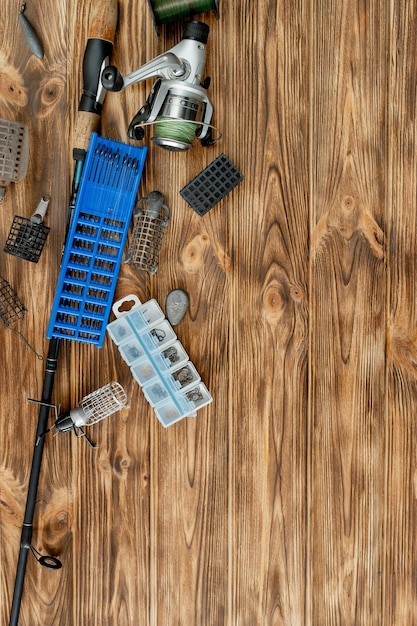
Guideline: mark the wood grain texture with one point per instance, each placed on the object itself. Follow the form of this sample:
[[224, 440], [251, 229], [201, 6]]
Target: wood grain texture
[[35, 93], [190, 462], [269, 337], [291, 499], [400, 570], [112, 571], [348, 321]]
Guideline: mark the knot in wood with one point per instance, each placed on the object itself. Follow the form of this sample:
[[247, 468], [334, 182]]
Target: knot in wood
[[105, 466], [10, 509], [60, 522], [296, 293], [274, 301], [49, 94], [345, 218], [121, 464], [12, 91], [349, 203], [193, 254]]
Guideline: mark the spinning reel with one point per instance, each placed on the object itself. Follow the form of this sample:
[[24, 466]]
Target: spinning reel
[[178, 103]]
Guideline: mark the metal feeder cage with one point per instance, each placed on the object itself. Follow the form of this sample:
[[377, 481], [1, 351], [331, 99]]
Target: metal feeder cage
[[151, 219], [26, 239], [11, 308]]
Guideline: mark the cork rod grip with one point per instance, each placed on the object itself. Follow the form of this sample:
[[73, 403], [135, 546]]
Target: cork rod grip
[[104, 20], [85, 124], [98, 49]]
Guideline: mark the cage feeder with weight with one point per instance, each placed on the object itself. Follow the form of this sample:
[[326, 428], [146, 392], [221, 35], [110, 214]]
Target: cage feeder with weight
[[93, 408], [151, 216], [27, 237], [178, 104]]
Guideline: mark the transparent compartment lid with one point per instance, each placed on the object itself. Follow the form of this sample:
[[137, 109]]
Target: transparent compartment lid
[[168, 412], [151, 312], [198, 396], [156, 392], [144, 371], [175, 355], [185, 376], [161, 388], [161, 335], [120, 330], [131, 350]]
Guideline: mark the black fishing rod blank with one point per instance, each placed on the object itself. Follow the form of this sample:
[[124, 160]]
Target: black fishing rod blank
[[26, 537], [96, 57]]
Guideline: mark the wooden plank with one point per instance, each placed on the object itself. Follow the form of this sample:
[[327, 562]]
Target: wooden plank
[[269, 332], [190, 458], [290, 499], [34, 92], [348, 287], [401, 511], [112, 519]]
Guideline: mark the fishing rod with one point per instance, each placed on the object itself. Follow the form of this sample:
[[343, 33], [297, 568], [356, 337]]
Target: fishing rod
[[96, 57]]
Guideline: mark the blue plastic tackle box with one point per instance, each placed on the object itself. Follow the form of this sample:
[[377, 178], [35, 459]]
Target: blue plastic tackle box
[[96, 239], [157, 360]]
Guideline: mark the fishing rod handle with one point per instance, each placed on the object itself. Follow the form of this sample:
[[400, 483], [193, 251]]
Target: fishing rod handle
[[96, 57]]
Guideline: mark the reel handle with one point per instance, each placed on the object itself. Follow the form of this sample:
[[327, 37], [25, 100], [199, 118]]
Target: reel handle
[[111, 79]]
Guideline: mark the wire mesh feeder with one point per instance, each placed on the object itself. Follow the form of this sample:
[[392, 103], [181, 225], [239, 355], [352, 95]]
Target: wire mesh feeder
[[151, 218], [14, 153], [27, 237], [12, 310], [92, 409], [103, 402]]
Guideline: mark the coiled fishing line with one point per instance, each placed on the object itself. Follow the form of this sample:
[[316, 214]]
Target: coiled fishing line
[[166, 11], [167, 128], [177, 130]]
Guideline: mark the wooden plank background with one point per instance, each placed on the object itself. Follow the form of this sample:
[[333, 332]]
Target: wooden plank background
[[291, 499]]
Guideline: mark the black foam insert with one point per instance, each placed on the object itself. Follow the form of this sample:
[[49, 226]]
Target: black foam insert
[[211, 185]]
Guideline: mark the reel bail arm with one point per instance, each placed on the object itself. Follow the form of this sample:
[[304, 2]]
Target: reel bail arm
[[112, 80]]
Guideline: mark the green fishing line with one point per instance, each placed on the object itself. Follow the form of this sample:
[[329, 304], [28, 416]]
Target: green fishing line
[[166, 11], [178, 130]]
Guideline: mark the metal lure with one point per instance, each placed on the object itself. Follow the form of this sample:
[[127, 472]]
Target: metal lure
[[30, 34]]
